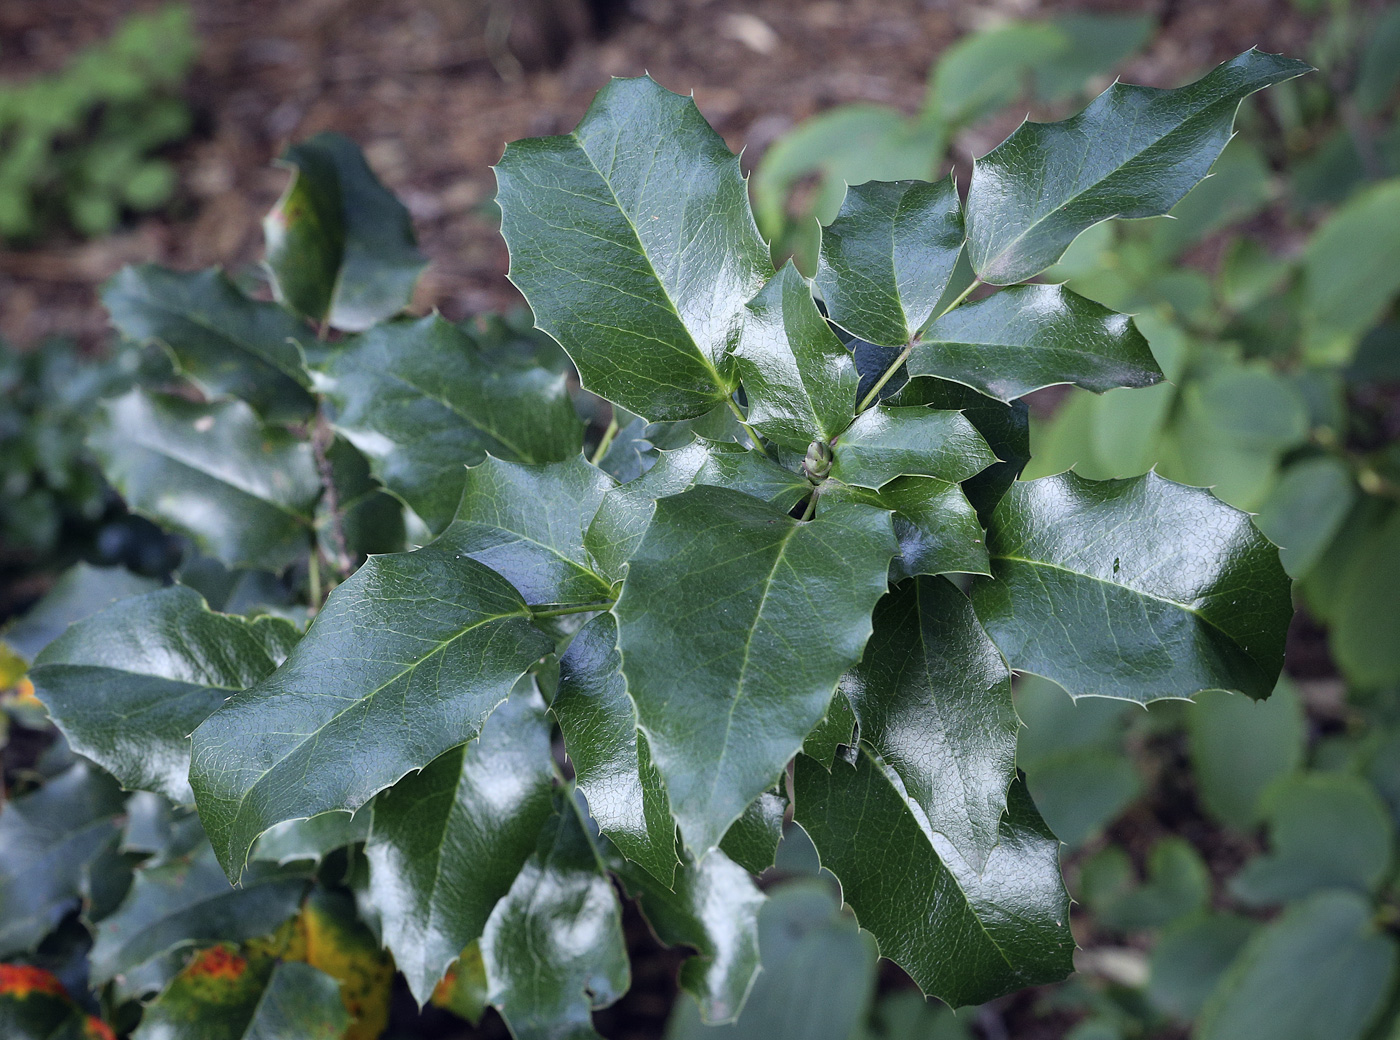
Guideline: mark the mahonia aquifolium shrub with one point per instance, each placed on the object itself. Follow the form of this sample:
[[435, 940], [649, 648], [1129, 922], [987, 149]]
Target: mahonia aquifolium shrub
[[795, 573]]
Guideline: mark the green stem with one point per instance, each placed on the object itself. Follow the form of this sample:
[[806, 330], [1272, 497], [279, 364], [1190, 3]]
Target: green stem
[[743, 421], [313, 578], [579, 608], [811, 505], [606, 442], [874, 393]]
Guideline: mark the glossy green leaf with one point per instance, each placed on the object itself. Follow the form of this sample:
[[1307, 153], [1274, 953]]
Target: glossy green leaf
[[406, 660], [1241, 746], [632, 240], [886, 442], [224, 341], [527, 522], [447, 842], [129, 685], [80, 591], [726, 704], [1134, 152], [626, 511], [800, 381], [963, 935], [223, 995], [933, 699], [611, 758], [311, 839], [34, 1005], [818, 974], [1138, 589], [712, 906], [1321, 969], [243, 491], [934, 523], [1326, 831], [752, 840], [422, 400], [553, 946], [47, 838], [1033, 336], [340, 247], [888, 257], [370, 519], [188, 902]]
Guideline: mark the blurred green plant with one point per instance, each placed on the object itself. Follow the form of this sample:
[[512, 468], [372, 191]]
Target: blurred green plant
[[76, 146]]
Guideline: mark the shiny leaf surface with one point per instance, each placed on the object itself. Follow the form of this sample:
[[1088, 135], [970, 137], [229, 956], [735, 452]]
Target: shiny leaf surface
[[423, 401], [935, 525], [799, 380], [726, 704], [243, 491], [129, 685], [887, 442], [1032, 336], [1134, 152], [888, 256], [1139, 589], [964, 936], [633, 242], [448, 841], [340, 247], [405, 660]]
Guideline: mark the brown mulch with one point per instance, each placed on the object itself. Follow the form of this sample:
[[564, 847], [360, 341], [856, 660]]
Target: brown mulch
[[433, 88]]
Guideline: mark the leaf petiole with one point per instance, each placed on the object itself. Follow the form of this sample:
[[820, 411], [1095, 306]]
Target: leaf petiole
[[577, 608], [606, 442], [874, 393]]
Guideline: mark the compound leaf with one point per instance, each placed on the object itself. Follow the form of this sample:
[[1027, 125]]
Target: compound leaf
[[1033, 336], [933, 699], [527, 522], [224, 341], [1138, 589], [553, 947], [612, 760], [243, 491], [886, 442], [786, 605], [888, 257], [447, 842], [422, 400], [1134, 152], [406, 660], [129, 685], [964, 936], [799, 380], [339, 245], [633, 242]]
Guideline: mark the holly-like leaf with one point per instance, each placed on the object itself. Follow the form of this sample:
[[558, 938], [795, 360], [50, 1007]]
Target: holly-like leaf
[[633, 242], [612, 760], [447, 842], [34, 1005], [799, 380], [224, 995], [340, 247], [553, 947], [713, 907], [1033, 336], [752, 840], [933, 699], [47, 838], [129, 685], [965, 936], [243, 491], [225, 342], [330, 936], [371, 519], [527, 522], [887, 442], [787, 607], [934, 522], [80, 591], [422, 400], [1134, 152], [888, 257], [311, 839], [626, 511], [1139, 589], [406, 660], [187, 902]]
